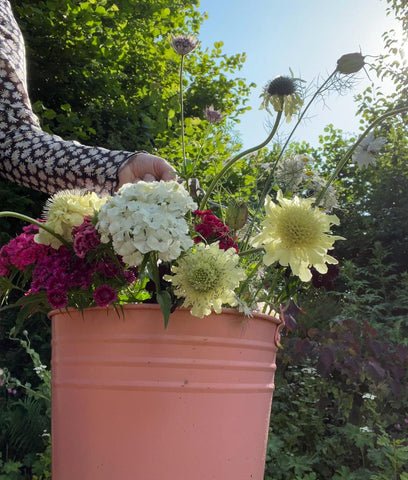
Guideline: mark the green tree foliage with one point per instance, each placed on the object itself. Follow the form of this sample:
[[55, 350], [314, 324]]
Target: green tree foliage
[[104, 72]]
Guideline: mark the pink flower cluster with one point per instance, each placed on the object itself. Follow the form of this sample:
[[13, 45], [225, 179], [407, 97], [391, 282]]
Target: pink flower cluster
[[212, 229], [21, 251], [59, 272]]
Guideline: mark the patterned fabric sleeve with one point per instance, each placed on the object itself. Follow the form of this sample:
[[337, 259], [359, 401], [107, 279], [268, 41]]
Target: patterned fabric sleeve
[[28, 155]]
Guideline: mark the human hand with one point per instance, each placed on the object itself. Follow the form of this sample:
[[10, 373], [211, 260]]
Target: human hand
[[147, 167]]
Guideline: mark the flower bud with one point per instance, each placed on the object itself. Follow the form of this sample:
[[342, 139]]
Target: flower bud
[[212, 115], [236, 215], [184, 44], [350, 63], [194, 188]]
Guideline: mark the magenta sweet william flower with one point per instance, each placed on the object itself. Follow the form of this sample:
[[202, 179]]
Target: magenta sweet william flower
[[81, 274], [86, 238], [4, 262], [108, 268], [104, 295], [204, 230], [130, 277], [213, 229], [53, 264], [57, 299], [21, 252]]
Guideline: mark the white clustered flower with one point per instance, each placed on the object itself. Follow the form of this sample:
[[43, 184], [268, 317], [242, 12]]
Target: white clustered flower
[[369, 396], [147, 217], [40, 368], [364, 154]]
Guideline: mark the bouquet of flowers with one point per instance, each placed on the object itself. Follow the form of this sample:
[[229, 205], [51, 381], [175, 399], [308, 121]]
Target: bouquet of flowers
[[159, 242]]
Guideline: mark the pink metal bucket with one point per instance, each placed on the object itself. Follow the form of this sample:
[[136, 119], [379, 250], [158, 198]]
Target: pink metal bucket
[[134, 401]]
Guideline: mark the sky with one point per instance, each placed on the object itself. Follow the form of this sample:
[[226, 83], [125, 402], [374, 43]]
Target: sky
[[307, 36]]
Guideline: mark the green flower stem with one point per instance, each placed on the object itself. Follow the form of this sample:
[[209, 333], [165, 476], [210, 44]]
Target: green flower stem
[[250, 251], [268, 182], [154, 270], [247, 281], [183, 146], [207, 132], [301, 116], [20, 216], [350, 151], [233, 160]]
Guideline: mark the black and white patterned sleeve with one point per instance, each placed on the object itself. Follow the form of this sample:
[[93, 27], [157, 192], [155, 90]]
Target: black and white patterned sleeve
[[28, 155]]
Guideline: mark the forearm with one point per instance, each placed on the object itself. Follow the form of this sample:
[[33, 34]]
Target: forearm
[[28, 155], [47, 163]]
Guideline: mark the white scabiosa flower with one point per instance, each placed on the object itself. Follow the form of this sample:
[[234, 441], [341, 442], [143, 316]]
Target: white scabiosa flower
[[296, 234], [316, 185], [147, 217], [206, 277], [65, 210], [364, 154], [290, 172]]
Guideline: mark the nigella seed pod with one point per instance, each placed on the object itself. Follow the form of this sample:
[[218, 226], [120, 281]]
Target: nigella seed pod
[[236, 215], [281, 86], [350, 63], [183, 44]]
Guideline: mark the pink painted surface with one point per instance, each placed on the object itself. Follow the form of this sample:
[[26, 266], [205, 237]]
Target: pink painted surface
[[133, 401]]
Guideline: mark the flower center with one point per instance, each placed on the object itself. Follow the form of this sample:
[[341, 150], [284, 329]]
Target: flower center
[[297, 228], [204, 278]]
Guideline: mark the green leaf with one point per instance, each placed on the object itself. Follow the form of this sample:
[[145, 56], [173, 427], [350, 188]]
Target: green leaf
[[164, 300]]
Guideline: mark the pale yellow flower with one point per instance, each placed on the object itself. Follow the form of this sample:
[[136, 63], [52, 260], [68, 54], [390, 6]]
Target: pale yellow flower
[[206, 278], [296, 234], [65, 210]]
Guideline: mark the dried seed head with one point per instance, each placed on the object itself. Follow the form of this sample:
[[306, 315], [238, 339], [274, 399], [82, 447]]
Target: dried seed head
[[183, 44], [281, 86], [350, 63]]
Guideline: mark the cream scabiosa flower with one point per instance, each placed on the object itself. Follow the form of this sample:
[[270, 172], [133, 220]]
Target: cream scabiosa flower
[[206, 278], [295, 234], [65, 210], [147, 217]]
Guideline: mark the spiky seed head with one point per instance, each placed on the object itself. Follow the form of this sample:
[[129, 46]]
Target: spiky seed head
[[282, 86], [183, 44]]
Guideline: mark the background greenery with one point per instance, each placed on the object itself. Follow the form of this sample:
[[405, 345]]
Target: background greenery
[[102, 72]]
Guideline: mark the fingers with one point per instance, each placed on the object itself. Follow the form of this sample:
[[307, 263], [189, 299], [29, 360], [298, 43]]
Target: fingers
[[146, 167], [149, 178], [169, 174]]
